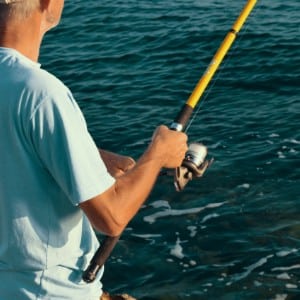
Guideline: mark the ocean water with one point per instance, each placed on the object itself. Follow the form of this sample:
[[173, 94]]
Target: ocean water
[[235, 233]]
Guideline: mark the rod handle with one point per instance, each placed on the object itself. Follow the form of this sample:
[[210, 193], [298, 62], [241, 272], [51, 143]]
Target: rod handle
[[182, 118], [99, 258]]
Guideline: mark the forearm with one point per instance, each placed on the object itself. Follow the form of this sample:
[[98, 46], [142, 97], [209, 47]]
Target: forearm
[[132, 189], [111, 211]]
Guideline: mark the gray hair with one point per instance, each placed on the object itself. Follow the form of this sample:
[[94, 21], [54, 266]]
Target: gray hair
[[17, 9]]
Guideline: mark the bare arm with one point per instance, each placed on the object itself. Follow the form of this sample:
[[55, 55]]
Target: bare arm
[[111, 211]]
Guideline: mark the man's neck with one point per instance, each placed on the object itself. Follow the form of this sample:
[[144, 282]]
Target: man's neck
[[24, 37]]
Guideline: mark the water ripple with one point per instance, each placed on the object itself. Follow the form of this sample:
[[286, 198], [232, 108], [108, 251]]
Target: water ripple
[[131, 65]]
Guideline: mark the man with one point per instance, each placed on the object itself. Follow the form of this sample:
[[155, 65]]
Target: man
[[54, 183]]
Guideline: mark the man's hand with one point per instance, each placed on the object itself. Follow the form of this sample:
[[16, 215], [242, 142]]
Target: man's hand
[[168, 147], [116, 164]]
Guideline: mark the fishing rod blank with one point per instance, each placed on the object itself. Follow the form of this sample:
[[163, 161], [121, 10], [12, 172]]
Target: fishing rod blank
[[186, 111], [188, 170]]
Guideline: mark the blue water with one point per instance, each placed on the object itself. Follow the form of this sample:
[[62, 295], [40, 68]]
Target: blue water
[[234, 234]]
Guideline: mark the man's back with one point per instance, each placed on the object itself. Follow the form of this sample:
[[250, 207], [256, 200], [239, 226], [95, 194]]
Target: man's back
[[44, 237]]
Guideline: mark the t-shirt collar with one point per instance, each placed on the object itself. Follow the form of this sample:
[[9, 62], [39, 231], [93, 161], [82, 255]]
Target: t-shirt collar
[[18, 54]]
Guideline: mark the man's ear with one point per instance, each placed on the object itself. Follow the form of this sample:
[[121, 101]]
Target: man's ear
[[51, 11], [44, 4]]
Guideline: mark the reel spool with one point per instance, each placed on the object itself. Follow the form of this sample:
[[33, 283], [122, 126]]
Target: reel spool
[[193, 166]]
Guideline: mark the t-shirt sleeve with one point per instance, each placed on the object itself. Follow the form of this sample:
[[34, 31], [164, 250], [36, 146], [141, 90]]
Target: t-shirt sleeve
[[61, 140]]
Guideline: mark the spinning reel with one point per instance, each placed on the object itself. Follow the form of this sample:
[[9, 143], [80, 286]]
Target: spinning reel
[[193, 166]]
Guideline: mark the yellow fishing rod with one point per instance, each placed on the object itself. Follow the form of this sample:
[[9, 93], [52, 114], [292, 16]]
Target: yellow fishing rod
[[184, 115], [194, 164]]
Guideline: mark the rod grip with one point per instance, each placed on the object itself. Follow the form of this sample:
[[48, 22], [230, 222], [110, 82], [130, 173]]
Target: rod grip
[[182, 118], [99, 258]]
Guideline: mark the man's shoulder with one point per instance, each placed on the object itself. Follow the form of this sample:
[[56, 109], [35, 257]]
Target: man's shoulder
[[43, 81], [23, 72]]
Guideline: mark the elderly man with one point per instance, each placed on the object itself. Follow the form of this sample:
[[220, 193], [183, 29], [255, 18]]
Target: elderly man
[[54, 184]]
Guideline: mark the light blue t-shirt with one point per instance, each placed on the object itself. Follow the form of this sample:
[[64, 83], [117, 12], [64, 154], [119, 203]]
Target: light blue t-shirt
[[48, 165]]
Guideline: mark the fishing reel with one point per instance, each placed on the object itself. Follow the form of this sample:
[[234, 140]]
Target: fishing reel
[[193, 166]]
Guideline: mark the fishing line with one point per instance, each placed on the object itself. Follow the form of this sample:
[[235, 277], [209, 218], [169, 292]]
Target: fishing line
[[220, 72]]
